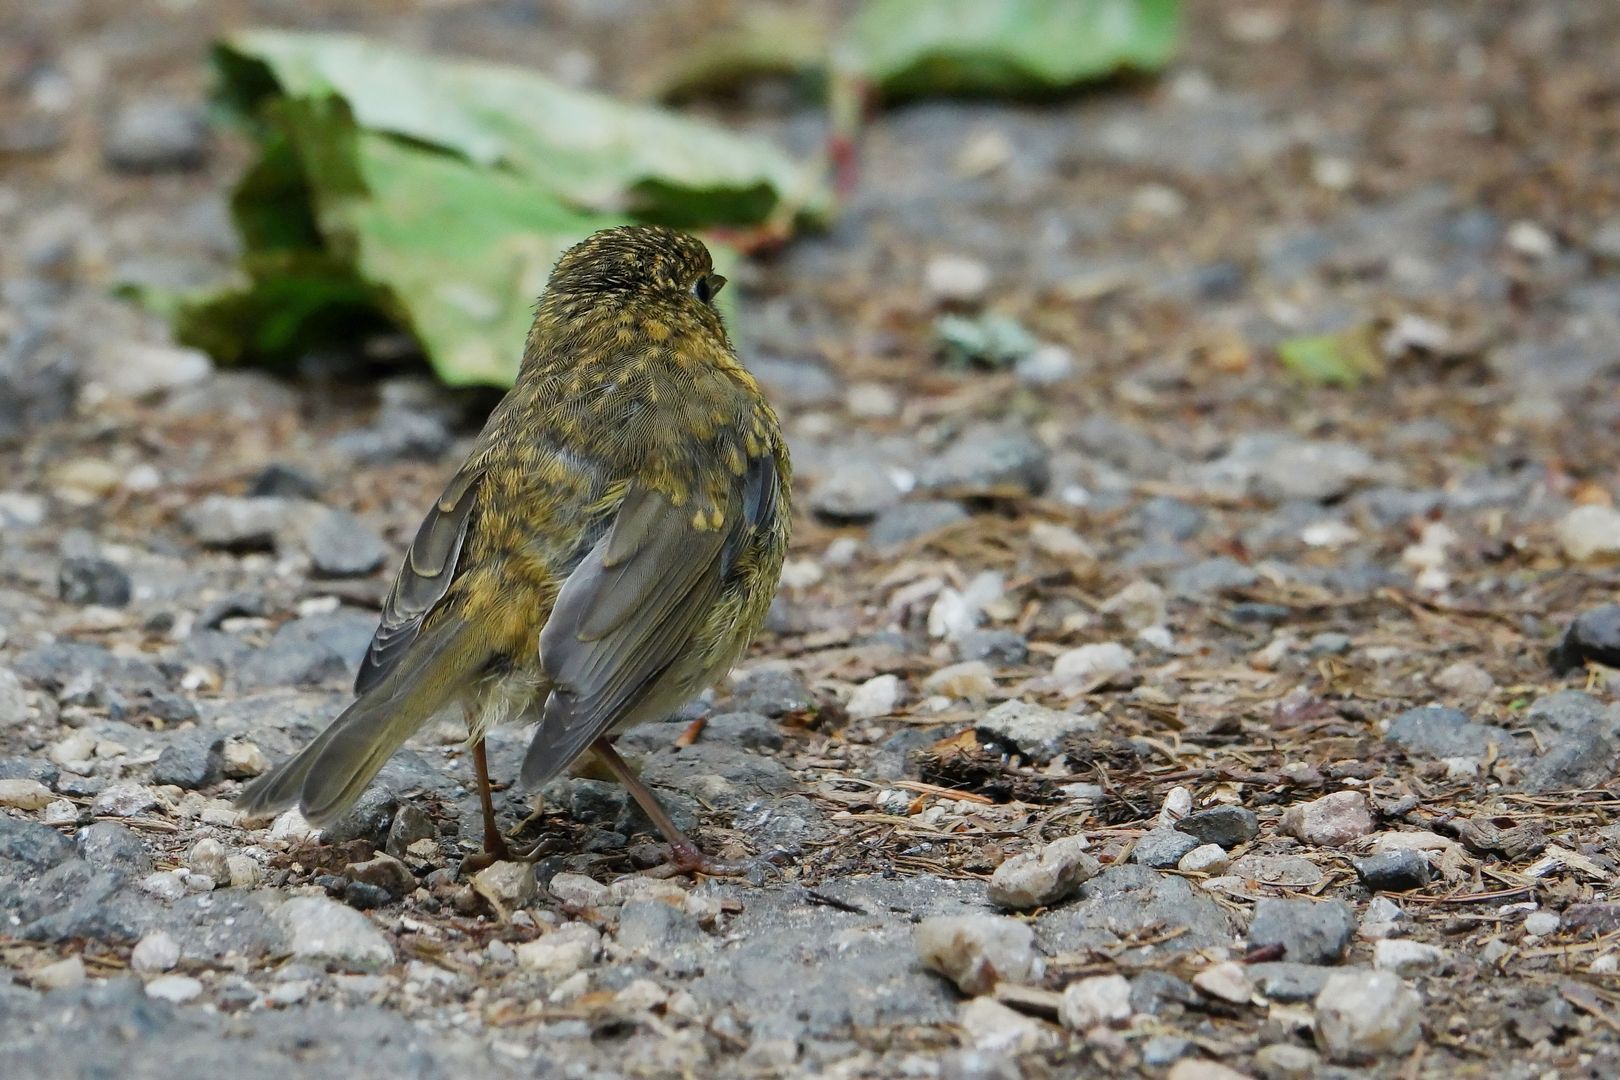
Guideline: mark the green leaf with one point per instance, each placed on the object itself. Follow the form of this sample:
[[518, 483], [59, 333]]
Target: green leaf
[[915, 47], [586, 149], [1343, 359], [435, 195], [993, 341], [767, 40]]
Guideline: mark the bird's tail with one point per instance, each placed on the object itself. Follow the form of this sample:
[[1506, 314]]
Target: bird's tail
[[326, 778]]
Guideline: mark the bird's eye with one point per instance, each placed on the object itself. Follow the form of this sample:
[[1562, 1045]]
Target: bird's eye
[[707, 287]]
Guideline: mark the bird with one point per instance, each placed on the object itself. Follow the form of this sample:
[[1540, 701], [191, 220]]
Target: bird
[[605, 553]]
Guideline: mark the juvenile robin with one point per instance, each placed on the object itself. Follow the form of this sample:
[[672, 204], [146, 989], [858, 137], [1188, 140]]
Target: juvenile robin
[[605, 553]]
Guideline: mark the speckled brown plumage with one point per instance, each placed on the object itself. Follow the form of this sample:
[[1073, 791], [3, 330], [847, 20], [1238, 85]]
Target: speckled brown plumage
[[606, 551]]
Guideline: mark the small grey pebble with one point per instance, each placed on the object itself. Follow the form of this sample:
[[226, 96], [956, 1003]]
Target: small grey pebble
[[1594, 636], [1309, 931], [155, 133], [1227, 826], [994, 646], [772, 692], [1394, 871], [85, 581], [194, 759], [364, 895], [1162, 848]]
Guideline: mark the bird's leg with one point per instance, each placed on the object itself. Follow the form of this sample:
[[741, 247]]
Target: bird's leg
[[685, 856], [494, 842], [495, 849]]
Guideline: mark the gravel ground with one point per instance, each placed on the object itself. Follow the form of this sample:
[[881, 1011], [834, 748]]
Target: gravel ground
[[1137, 710]]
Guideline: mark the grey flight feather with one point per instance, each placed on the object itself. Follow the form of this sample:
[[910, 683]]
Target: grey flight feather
[[326, 778], [424, 578], [628, 613]]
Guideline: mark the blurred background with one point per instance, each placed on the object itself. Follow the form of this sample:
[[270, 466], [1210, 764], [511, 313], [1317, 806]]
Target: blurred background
[[1243, 372]]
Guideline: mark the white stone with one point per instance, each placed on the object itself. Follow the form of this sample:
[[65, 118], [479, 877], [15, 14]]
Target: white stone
[[570, 988], [1541, 923], [13, 698], [165, 885], [801, 573], [290, 992], [61, 975], [76, 748], [241, 871], [1381, 909], [874, 698], [1530, 240], [1367, 1014], [506, 885], [1404, 956], [1061, 543], [1328, 533], [155, 952], [984, 152], [993, 1028], [1202, 1069], [957, 279], [1415, 333], [1590, 532], [954, 613], [567, 949], [1205, 859], [1046, 366], [124, 800], [968, 679], [177, 989], [1227, 981], [221, 813], [60, 812], [1335, 174], [1038, 878], [207, 856], [1091, 667], [1284, 1060], [1139, 605], [872, 401], [1465, 679], [325, 931], [243, 760], [24, 794], [1033, 730], [978, 951], [1177, 805], [291, 827], [130, 369], [21, 509], [1100, 999], [642, 887], [1158, 200], [578, 890]]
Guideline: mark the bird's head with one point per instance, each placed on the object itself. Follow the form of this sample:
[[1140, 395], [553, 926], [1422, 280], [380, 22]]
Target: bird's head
[[634, 264]]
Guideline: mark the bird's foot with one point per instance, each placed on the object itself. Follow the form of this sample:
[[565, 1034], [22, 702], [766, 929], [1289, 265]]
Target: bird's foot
[[497, 849], [485, 857], [688, 858]]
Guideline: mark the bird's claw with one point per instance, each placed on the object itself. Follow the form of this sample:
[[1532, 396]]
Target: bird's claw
[[688, 858]]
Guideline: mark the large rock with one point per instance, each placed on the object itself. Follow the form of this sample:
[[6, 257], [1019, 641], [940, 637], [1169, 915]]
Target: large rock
[[1309, 931], [1125, 901], [326, 932], [1580, 738]]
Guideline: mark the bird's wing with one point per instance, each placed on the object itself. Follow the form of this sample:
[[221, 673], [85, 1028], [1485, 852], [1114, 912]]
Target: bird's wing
[[424, 578], [631, 609]]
